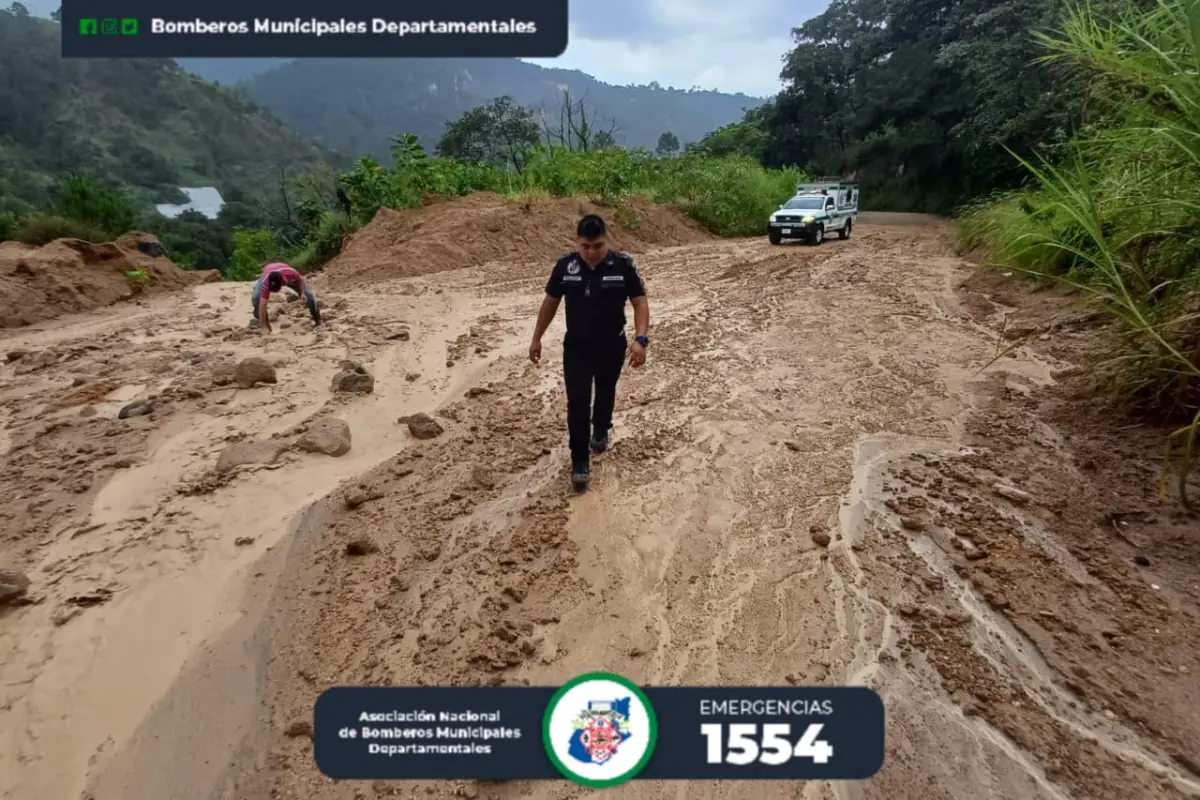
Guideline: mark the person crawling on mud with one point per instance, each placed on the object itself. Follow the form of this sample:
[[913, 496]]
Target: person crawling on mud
[[274, 277], [596, 282]]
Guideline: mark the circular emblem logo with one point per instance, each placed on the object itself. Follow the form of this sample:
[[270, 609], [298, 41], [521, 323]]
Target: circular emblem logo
[[599, 730], [573, 268]]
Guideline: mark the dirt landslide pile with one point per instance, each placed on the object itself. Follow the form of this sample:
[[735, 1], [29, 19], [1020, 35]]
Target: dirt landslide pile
[[68, 276], [484, 227]]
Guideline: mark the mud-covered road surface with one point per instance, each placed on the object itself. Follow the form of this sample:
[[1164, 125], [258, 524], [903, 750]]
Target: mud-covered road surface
[[824, 474]]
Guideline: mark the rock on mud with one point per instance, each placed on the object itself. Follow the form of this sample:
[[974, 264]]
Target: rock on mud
[[422, 426], [362, 546], [138, 408], [13, 585], [1012, 493], [224, 374], [353, 377], [328, 436], [299, 728], [254, 370], [255, 452], [361, 495]]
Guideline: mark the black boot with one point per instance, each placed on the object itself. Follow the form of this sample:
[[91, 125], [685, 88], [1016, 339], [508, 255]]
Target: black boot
[[580, 476], [599, 441]]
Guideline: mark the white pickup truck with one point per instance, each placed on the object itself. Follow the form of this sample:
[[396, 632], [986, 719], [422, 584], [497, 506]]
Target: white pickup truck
[[817, 210]]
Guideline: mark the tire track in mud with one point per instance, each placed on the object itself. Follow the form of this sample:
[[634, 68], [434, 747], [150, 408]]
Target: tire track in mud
[[738, 531]]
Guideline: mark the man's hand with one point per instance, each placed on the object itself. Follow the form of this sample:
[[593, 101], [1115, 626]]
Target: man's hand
[[637, 355], [535, 351]]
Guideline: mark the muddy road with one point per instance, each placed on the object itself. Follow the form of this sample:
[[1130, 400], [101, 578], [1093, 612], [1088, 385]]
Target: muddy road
[[823, 475]]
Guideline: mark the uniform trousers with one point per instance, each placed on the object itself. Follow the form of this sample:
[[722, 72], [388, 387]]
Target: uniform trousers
[[591, 363]]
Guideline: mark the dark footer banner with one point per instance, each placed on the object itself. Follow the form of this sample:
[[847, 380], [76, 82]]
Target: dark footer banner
[[599, 730]]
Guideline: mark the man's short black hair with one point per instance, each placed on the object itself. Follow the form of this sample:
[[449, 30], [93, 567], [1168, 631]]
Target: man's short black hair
[[275, 281], [591, 226]]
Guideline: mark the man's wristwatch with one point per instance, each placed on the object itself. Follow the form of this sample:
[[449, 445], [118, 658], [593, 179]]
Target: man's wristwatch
[[644, 341]]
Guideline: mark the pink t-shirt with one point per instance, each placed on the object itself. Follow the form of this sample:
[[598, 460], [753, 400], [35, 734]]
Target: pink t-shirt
[[290, 276]]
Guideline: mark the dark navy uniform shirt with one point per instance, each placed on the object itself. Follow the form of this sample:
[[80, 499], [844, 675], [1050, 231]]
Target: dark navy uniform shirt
[[595, 297]]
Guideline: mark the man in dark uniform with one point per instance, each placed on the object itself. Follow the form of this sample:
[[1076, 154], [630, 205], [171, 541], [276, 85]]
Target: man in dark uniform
[[596, 282]]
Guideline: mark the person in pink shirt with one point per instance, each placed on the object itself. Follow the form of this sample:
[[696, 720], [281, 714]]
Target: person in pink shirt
[[274, 277]]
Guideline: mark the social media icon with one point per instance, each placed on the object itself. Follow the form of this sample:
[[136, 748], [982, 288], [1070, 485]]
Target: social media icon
[[129, 27], [89, 27], [108, 27]]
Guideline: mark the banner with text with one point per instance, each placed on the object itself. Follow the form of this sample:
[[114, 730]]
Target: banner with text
[[599, 730], [313, 29]]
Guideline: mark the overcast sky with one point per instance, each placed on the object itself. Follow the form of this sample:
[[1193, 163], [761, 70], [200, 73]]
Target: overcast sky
[[728, 45]]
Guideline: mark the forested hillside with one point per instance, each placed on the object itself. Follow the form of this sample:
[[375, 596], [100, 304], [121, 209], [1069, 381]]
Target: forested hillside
[[920, 98], [358, 105], [145, 124], [228, 71]]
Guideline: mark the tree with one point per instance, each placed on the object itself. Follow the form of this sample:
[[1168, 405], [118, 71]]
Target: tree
[[668, 144], [745, 138], [922, 98], [56, 14], [577, 129], [500, 133], [18, 10]]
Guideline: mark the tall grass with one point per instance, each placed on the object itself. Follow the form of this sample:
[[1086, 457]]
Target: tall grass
[[1120, 219]]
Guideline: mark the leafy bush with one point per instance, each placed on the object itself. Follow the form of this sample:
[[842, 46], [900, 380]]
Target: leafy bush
[[252, 249], [105, 208], [1120, 219], [8, 225], [40, 229]]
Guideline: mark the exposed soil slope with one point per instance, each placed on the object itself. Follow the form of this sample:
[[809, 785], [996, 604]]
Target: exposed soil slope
[[67, 276], [484, 227]]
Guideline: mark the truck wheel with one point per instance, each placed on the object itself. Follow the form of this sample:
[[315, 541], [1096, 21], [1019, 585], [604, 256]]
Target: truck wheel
[[844, 233], [818, 235], [774, 237]]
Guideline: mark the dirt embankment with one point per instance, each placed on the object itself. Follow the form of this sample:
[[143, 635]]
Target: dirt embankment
[[484, 227], [821, 476], [68, 276]]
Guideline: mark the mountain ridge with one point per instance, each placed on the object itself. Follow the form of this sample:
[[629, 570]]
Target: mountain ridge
[[146, 124], [358, 105]]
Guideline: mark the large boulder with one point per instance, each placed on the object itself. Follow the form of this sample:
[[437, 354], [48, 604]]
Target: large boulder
[[254, 370], [353, 377], [330, 436]]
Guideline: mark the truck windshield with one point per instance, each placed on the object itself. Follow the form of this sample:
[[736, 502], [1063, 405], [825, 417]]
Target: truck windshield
[[805, 203]]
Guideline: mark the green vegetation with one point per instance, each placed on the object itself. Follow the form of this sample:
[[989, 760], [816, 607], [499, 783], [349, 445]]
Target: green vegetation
[[307, 223], [145, 124], [137, 279], [919, 100], [1119, 216], [731, 196]]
